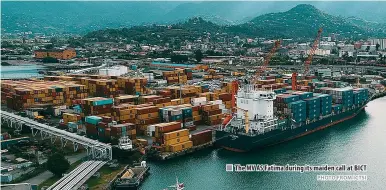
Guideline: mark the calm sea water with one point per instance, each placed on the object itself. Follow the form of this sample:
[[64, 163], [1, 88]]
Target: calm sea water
[[361, 140], [21, 71]]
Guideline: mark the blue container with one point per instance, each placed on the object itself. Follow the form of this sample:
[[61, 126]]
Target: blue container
[[133, 67], [297, 106], [291, 98], [187, 112], [72, 125], [313, 102], [103, 102], [93, 120], [175, 117], [101, 131], [337, 107], [205, 86], [306, 95]]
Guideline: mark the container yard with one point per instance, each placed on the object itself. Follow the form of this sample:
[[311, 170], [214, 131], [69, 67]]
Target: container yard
[[172, 120]]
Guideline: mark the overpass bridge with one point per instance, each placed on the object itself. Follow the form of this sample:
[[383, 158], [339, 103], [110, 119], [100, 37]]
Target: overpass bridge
[[95, 149], [77, 177]]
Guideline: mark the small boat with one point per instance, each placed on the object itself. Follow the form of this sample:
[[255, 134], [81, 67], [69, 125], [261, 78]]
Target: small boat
[[177, 186]]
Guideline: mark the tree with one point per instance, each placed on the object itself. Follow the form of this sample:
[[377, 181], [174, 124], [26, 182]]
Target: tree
[[50, 60], [5, 63], [198, 55], [377, 46], [179, 58], [57, 164], [368, 48], [49, 46]]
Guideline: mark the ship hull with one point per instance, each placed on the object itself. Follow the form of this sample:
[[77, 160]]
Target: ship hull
[[244, 143]]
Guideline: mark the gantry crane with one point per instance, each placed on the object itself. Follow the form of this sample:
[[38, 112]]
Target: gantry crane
[[307, 63]]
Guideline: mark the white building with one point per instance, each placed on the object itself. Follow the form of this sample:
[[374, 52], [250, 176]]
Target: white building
[[114, 71], [349, 53], [303, 46], [320, 52], [145, 48], [324, 72], [327, 45]]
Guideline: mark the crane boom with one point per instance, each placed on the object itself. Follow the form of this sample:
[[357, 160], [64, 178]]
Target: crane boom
[[268, 58], [307, 63]]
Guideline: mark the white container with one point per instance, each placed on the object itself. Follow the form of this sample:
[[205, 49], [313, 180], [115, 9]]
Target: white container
[[150, 130], [189, 123], [198, 100]]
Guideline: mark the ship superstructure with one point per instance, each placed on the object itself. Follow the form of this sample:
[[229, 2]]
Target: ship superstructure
[[259, 106]]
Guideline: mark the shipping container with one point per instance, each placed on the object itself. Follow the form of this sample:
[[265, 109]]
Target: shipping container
[[201, 137], [93, 120], [176, 134], [180, 146]]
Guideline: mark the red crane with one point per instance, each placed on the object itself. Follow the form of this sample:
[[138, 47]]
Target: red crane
[[307, 63], [268, 58], [312, 52]]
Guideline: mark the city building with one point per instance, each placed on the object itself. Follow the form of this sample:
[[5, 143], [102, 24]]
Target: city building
[[381, 42], [323, 72], [320, 52], [55, 53]]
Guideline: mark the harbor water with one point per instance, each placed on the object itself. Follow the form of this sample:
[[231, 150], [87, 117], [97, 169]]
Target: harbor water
[[21, 71], [360, 140]]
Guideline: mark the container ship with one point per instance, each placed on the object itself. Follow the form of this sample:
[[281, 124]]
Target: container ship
[[265, 117]]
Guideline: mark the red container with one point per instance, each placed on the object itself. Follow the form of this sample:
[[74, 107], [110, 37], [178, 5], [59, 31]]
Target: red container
[[202, 137], [196, 108], [102, 125], [225, 96], [169, 128], [149, 121], [107, 119]]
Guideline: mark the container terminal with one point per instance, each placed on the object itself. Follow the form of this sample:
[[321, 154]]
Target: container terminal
[[169, 111]]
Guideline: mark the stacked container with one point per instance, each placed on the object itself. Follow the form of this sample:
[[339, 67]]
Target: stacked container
[[97, 106], [91, 126], [325, 104], [303, 95], [125, 99], [313, 107], [212, 114], [343, 96], [124, 113], [337, 108], [360, 95], [177, 140], [146, 116], [282, 101], [132, 86], [201, 137], [157, 130], [19, 95], [297, 110]]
